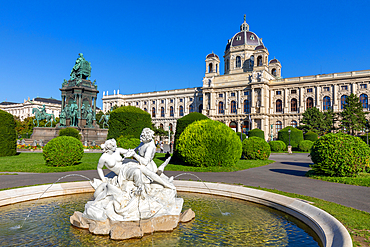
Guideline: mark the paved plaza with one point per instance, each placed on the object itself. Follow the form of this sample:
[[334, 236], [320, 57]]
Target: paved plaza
[[286, 174]]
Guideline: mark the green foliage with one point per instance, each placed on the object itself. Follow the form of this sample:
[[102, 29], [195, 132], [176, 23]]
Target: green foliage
[[277, 146], [311, 136], [98, 117], [305, 145], [208, 143], [339, 155], [316, 121], [244, 136], [128, 121], [365, 138], [70, 132], [182, 123], [255, 148], [353, 115], [257, 132], [63, 151], [128, 143], [296, 136], [8, 136]]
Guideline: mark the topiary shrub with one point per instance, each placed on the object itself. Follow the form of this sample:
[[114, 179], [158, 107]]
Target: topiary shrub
[[305, 145], [128, 143], [311, 136], [257, 132], [255, 148], [63, 151], [70, 132], [296, 136], [8, 135], [208, 143], [182, 123], [277, 146], [244, 136], [128, 121], [339, 155]]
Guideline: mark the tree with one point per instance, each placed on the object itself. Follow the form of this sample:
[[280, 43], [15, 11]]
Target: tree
[[316, 121], [353, 115]]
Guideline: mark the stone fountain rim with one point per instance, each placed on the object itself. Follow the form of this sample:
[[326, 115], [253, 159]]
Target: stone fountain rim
[[330, 231]]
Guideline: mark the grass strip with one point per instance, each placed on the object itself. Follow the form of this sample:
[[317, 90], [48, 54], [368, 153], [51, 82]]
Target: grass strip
[[362, 179]]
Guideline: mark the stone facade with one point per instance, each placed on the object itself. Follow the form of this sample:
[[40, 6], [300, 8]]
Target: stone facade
[[24, 110], [251, 93]]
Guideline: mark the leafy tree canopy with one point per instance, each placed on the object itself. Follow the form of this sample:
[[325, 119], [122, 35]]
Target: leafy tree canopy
[[352, 117]]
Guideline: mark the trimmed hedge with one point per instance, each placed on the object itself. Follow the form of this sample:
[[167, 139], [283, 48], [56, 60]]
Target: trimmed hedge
[[305, 145], [8, 135], [63, 151], [128, 121], [255, 148], [296, 136], [339, 155], [70, 132], [128, 143], [184, 122], [311, 136], [208, 143], [277, 146], [244, 136], [257, 132]]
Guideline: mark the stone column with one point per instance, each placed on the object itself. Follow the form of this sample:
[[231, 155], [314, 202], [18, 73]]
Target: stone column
[[286, 107], [301, 109], [271, 101], [252, 101], [318, 100]]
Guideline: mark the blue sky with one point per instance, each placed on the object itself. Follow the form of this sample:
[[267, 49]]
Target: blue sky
[[140, 46]]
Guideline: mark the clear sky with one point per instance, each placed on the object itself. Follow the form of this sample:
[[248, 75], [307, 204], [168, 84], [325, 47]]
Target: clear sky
[[141, 46]]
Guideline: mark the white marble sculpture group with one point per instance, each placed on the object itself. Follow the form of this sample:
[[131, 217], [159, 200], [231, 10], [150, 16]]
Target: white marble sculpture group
[[139, 193]]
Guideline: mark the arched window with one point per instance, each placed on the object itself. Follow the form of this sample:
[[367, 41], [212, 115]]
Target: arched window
[[278, 126], [232, 125], [227, 64], [259, 61], [343, 101], [181, 111], [216, 68], [279, 106], [191, 108], [162, 112], [294, 124], [363, 100], [171, 111], [200, 108], [233, 107], [220, 107], [210, 69], [238, 62], [326, 103], [293, 105], [170, 126], [309, 103], [273, 72], [246, 106], [161, 126], [153, 112]]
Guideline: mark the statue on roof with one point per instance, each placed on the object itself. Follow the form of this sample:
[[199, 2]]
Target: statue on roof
[[81, 69]]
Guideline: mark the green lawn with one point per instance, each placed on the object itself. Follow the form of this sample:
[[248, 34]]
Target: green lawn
[[357, 222], [34, 162], [363, 179]]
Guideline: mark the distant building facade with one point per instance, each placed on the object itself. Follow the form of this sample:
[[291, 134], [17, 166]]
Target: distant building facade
[[24, 110], [251, 93]]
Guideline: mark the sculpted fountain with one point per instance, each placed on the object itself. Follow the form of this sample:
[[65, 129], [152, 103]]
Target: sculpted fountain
[[136, 198]]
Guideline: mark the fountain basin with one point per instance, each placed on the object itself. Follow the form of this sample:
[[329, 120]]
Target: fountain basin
[[330, 231]]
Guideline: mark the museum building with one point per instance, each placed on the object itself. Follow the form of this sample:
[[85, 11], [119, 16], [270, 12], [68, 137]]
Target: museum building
[[251, 93]]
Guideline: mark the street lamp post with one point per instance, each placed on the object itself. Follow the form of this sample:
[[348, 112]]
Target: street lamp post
[[241, 132]]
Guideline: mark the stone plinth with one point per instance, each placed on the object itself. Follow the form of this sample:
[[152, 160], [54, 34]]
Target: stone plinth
[[120, 230]]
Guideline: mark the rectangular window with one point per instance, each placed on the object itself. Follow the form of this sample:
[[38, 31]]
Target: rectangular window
[[309, 90], [278, 92], [153, 102], [326, 89], [137, 103], [191, 99], [363, 86], [344, 87], [232, 94], [293, 91], [162, 101], [220, 95], [180, 100], [246, 93], [145, 103], [171, 101]]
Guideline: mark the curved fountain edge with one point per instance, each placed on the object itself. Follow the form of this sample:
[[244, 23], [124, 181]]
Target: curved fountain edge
[[330, 231]]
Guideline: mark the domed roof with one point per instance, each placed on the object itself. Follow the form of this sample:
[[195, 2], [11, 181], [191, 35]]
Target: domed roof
[[212, 55], [260, 47], [274, 61], [244, 37]]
